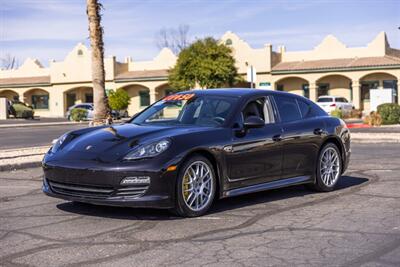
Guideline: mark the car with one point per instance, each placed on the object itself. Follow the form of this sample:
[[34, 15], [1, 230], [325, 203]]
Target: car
[[20, 110], [191, 148], [330, 103], [90, 111]]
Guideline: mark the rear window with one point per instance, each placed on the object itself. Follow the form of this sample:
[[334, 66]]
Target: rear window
[[325, 99], [288, 109]]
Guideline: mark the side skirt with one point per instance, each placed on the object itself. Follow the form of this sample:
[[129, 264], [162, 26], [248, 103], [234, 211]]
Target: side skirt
[[267, 186]]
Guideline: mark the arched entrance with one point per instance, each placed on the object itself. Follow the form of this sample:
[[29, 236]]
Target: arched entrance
[[37, 98], [140, 97], [78, 95], [163, 90], [295, 85], [9, 94], [377, 80], [335, 85]]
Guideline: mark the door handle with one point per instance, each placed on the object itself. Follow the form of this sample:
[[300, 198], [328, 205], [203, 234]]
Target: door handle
[[277, 138], [318, 131]]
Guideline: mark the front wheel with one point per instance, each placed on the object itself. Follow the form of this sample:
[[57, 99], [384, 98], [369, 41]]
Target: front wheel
[[196, 186], [329, 168]]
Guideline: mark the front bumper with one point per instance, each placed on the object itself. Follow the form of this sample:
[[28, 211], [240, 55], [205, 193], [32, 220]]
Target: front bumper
[[100, 185]]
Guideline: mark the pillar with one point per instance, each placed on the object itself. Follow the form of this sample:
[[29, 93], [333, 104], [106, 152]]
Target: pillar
[[313, 87], [398, 91], [153, 95], [356, 94]]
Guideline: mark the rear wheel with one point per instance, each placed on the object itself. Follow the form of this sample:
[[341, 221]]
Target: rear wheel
[[329, 168], [196, 186]]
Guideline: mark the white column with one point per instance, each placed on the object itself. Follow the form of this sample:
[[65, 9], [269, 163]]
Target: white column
[[313, 91], [356, 94], [398, 91], [153, 95]]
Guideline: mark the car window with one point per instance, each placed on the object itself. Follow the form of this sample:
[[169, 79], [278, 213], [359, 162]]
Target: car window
[[287, 108], [341, 99], [254, 108], [325, 99], [305, 108]]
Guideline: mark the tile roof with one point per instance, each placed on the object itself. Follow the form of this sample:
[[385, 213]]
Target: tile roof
[[25, 80], [343, 63], [142, 74]]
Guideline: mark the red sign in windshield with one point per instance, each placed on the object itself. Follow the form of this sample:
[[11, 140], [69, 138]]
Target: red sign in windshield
[[178, 97]]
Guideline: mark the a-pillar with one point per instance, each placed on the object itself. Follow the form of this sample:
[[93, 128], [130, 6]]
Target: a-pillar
[[355, 86], [313, 92]]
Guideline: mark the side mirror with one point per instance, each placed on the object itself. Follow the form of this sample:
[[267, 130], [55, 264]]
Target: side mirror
[[253, 122]]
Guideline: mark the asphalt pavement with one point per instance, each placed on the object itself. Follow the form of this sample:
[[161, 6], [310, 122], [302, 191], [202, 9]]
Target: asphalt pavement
[[356, 225]]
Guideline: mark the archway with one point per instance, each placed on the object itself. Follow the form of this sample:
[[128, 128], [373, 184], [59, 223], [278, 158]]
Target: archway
[[377, 80], [77, 95], [140, 97], [335, 85], [37, 98], [293, 84], [163, 90], [9, 94]]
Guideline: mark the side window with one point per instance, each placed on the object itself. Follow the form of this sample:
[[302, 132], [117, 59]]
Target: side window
[[305, 109], [287, 108], [254, 108]]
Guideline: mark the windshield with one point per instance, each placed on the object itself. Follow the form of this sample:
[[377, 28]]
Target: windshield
[[189, 109]]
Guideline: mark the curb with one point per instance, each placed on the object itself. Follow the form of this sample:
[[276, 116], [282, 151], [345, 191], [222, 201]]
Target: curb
[[40, 124], [21, 166]]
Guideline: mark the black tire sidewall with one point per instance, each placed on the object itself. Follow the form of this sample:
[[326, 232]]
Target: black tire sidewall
[[319, 183], [181, 208]]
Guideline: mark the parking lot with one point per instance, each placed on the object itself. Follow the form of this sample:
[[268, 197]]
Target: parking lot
[[356, 225]]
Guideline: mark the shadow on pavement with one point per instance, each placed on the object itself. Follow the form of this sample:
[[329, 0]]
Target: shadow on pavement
[[219, 205]]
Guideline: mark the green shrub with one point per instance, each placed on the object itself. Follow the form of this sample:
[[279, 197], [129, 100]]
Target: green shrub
[[22, 111], [337, 113], [390, 113], [118, 100], [78, 114]]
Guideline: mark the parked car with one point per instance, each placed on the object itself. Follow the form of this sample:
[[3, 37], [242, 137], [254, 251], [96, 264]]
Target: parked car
[[330, 103], [219, 143], [90, 111], [20, 110]]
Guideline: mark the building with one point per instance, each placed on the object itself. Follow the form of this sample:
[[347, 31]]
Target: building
[[330, 68]]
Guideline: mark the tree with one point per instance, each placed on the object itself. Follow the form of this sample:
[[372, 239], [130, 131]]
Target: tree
[[9, 62], [101, 108], [205, 63], [174, 39], [119, 99]]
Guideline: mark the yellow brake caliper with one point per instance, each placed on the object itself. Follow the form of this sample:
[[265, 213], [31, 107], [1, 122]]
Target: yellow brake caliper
[[186, 181]]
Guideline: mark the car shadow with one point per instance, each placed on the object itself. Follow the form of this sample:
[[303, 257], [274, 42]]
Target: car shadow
[[222, 205]]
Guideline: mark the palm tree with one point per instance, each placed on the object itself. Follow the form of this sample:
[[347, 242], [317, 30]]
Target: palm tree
[[100, 101]]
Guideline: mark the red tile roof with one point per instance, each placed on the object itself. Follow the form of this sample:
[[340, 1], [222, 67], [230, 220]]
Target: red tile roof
[[142, 74], [25, 80], [343, 63]]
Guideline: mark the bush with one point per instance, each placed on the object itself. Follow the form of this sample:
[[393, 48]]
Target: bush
[[337, 113], [390, 113], [22, 111], [118, 100], [373, 119], [78, 114]]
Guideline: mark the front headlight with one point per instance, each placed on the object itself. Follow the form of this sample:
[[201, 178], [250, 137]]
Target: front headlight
[[58, 142], [149, 150]]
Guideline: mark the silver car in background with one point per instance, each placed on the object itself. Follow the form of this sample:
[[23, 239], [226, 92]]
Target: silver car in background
[[330, 103]]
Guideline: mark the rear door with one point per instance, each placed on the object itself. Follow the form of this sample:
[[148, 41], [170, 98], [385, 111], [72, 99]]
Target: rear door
[[301, 138]]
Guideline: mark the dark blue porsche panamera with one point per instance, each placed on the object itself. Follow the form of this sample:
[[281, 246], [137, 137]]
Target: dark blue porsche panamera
[[190, 148]]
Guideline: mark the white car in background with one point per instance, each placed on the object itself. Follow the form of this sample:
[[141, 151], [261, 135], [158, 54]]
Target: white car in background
[[87, 106], [330, 103]]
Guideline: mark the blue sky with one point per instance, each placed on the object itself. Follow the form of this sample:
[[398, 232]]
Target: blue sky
[[48, 29]]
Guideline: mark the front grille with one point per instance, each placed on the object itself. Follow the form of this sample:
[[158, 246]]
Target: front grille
[[81, 190], [98, 192]]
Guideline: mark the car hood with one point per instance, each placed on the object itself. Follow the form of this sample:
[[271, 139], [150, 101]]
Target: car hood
[[114, 142]]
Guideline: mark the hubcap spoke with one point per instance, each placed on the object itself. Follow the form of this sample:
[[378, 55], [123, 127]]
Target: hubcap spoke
[[330, 166]]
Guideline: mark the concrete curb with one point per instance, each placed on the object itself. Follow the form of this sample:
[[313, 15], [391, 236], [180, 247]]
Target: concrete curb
[[41, 124], [21, 166]]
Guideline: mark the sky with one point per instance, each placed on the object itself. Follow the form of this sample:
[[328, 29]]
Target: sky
[[49, 29]]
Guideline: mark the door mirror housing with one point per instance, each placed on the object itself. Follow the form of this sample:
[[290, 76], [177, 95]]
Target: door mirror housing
[[253, 122]]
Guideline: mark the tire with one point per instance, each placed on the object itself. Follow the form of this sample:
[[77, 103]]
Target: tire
[[192, 202], [326, 178]]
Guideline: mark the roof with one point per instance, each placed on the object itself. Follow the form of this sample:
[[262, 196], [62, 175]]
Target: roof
[[142, 74], [24, 81], [344, 63]]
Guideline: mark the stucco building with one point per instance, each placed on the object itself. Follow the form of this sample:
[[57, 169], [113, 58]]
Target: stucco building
[[330, 68]]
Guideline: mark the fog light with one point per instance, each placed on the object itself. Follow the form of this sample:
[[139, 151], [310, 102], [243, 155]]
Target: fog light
[[135, 180]]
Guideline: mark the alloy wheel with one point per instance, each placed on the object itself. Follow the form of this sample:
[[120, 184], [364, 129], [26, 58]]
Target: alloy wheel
[[329, 166], [198, 185]]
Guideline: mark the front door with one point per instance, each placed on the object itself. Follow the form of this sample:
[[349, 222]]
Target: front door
[[256, 154]]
